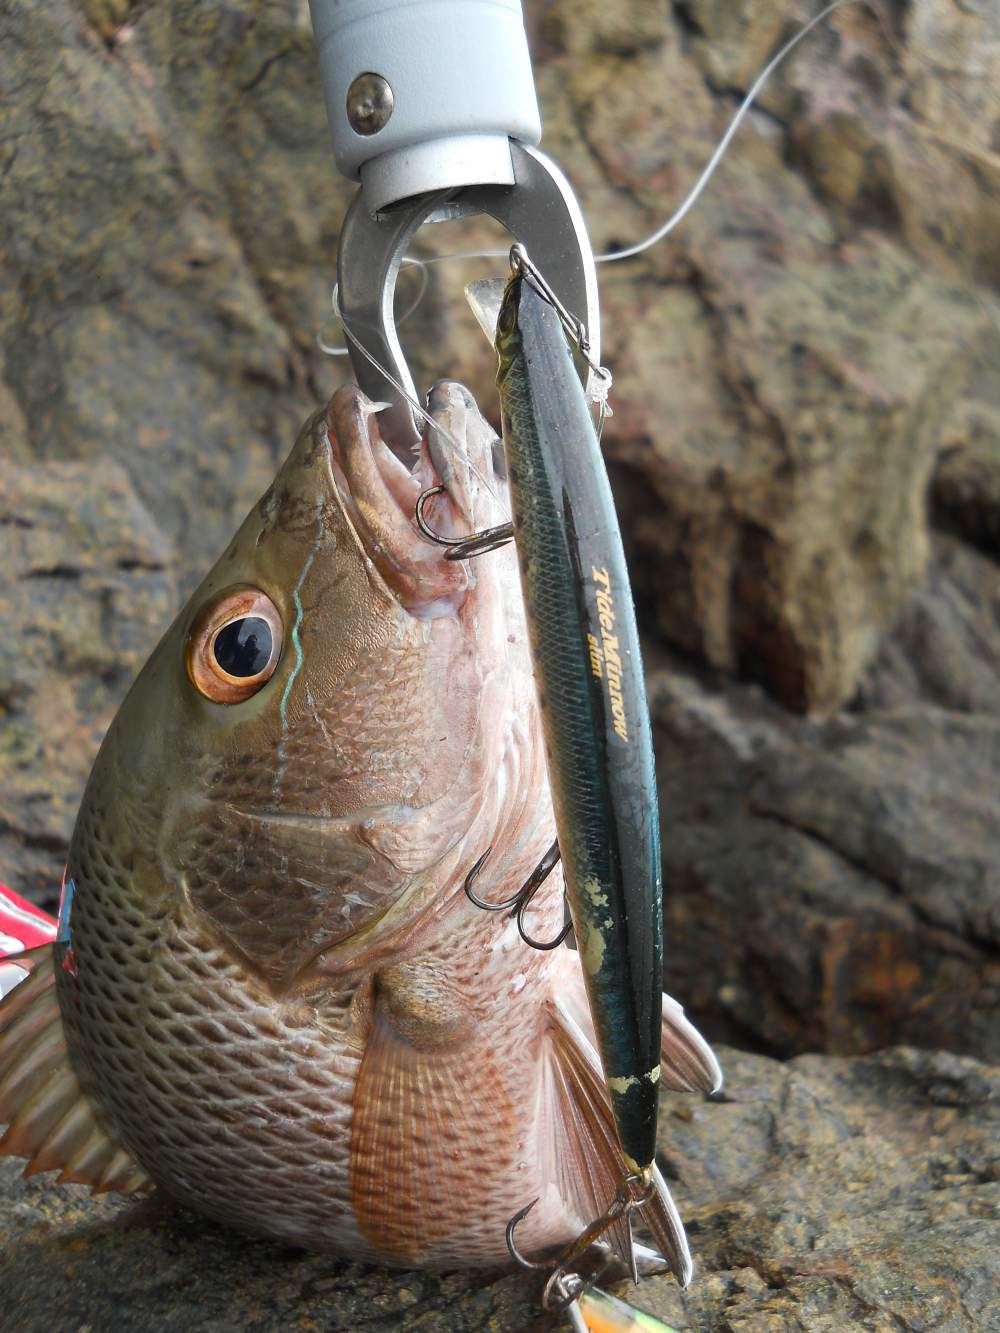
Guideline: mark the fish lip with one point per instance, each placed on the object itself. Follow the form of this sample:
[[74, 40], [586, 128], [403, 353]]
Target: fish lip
[[379, 494]]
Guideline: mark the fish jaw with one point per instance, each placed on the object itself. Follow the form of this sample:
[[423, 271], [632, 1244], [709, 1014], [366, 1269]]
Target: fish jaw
[[380, 494]]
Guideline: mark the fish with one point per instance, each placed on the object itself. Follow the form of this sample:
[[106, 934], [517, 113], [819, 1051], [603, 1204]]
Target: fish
[[592, 691], [269, 996]]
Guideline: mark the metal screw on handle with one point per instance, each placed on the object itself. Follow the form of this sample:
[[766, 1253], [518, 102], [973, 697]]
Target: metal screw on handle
[[369, 104]]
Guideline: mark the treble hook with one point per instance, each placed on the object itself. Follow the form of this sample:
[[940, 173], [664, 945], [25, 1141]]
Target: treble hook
[[462, 548], [563, 1286], [512, 1249], [519, 901]]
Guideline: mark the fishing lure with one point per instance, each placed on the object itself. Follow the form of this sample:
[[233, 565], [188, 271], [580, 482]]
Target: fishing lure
[[566, 1291], [598, 743], [595, 720], [591, 689], [22, 926], [595, 1311]]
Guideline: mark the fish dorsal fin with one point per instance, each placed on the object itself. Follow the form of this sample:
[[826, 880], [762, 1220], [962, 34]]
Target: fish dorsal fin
[[49, 1119], [588, 1162]]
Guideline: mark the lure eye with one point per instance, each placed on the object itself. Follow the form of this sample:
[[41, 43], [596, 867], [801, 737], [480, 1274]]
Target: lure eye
[[234, 646]]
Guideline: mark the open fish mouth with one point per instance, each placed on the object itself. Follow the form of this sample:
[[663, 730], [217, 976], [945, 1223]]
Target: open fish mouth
[[379, 493]]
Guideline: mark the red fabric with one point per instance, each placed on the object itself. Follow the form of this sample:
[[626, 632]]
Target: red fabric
[[22, 926]]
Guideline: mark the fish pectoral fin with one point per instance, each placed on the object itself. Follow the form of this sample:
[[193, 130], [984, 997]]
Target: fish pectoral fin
[[431, 1122], [587, 1159], [49, 1118]]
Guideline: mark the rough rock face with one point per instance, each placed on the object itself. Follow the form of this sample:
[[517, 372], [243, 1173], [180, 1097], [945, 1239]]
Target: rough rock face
[[793, 362], [87, 585], [805, 440], [834, 885], [819, 1195], [806, 451]]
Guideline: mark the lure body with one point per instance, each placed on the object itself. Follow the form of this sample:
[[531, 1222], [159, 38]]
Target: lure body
[[595, 719], [601, 1313]]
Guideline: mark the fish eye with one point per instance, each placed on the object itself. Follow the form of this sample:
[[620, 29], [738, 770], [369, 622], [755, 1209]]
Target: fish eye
[[243, 647], [234, 646]]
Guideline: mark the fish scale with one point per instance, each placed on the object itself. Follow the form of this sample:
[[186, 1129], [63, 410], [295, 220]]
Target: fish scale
[[246, 1108], [352, 1060]]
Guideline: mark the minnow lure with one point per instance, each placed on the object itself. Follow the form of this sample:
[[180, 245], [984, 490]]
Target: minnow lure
[[595, 1311], [588, 670]]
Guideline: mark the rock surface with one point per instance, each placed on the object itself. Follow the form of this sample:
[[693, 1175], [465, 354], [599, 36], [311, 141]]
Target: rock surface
[[823, 1194], [87, 586], [792, 363], [806, 440], [836, 885]]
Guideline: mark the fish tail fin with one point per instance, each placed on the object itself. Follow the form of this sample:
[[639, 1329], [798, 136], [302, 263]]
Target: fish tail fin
[[50, 1120], [587, 1159]]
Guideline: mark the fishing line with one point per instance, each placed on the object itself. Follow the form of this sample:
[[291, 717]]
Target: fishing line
[[689, 201], [460, 451], [696, 191], [409, 262]]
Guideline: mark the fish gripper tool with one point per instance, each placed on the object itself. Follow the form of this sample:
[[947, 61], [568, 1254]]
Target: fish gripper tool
[[432, 108]]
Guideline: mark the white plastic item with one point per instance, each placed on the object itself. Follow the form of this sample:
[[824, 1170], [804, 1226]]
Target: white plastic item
[[461, 86]]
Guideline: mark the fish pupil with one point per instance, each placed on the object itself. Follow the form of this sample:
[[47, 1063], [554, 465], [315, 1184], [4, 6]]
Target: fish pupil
[[243, 647]]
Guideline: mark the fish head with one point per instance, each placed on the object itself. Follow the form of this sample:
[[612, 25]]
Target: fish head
[[311, 737]]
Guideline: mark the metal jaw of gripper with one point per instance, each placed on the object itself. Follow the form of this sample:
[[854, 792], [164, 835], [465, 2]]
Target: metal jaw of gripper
[[539, 210]]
